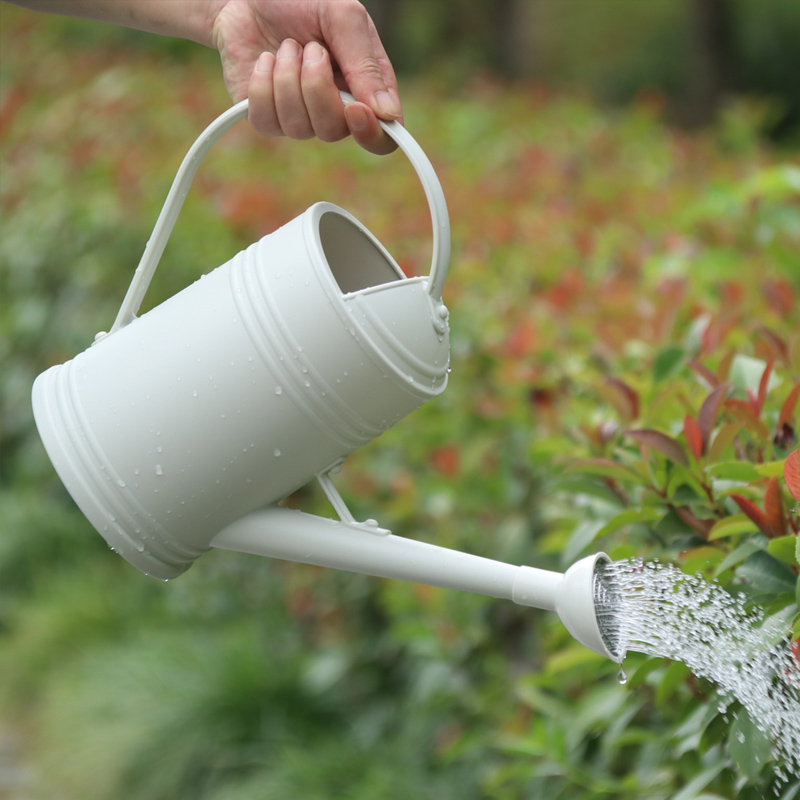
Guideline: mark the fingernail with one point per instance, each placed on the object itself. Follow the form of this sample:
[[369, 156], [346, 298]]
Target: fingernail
[[387, 104], [313, 52], [288, 49], [265, 63], [357, 117]]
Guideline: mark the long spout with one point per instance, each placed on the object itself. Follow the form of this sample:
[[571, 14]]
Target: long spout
[[366, 548]]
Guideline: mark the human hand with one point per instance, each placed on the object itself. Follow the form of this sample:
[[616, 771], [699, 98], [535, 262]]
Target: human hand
[[290, 58]]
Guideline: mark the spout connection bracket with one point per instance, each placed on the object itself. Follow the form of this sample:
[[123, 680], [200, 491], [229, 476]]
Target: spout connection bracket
[[340, 507]]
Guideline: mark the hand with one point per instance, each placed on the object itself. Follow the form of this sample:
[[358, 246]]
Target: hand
[[290, 57]]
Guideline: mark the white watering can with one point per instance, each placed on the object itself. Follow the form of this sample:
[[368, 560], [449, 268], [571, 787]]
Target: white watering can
[[182, 429]]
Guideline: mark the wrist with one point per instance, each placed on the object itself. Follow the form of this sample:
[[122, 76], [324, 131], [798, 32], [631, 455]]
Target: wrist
[[185, 19]]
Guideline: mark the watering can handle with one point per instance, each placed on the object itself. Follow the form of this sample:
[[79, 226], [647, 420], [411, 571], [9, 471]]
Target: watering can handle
[[191, 163]]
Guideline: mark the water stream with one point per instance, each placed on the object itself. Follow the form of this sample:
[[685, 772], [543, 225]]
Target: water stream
[[658, 610]]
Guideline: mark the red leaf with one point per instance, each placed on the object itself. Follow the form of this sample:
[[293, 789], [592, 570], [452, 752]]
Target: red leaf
[[693, 436], [773, 506], [631, 395], [708, 412], [446, 460], [791, 473], [704, 372], [12, 103], [787, 409], [661, 442], [763, 384], [701, 526], [752, 399], [776, 341], [724, 368], [755, 514], [795, 648], [743, 411]]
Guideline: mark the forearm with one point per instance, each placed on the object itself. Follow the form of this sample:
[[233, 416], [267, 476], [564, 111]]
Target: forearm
[[185, 19]]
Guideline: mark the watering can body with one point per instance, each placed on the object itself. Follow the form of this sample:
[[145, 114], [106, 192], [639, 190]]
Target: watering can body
[[180, 430], [238, 390]]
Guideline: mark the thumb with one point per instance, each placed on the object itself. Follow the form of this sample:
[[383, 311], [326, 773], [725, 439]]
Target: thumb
[[354, 42]]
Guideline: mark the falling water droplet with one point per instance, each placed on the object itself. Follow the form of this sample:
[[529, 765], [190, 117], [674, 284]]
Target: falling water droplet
[[622, 677]]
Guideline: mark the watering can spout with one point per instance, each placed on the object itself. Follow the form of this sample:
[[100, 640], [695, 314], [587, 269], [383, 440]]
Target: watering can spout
[[573, 596], [366, 548]]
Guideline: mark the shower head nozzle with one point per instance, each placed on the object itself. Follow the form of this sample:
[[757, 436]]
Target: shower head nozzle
[[578, 597]]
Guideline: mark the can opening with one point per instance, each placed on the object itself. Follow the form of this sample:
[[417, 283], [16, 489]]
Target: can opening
[[354, 258]]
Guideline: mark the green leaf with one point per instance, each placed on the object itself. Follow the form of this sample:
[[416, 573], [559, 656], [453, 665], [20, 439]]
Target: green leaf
[[672, 525], [714, 732], [629, 517], [772, 469], [699, 782], [683, 486], [576, 485], [675, 675], [767, 574], [731, 526], [722, 440], [775, 182], [742, 552], [749, 747], [667, 363], [606, 468], [784, 548], [734, 471], [702, 560], [642, 672]]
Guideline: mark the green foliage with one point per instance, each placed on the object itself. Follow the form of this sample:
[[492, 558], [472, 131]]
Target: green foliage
[[626, 352]]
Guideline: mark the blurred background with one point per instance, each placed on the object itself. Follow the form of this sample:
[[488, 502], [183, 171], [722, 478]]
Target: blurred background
[[624, 193]]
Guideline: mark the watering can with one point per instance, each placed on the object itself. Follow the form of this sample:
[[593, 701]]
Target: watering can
[[181, 430]]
